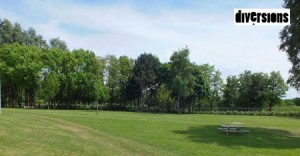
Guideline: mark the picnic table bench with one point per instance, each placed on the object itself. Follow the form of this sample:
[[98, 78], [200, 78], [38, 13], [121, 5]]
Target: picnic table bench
[[233, 129]]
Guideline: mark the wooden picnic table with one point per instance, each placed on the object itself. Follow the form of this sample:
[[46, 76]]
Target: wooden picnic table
[[233, 129]]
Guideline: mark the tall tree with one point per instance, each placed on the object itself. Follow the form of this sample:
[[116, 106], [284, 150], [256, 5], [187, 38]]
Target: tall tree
[[258, 89], [201, 88], [49, 87], [40, 42], [58, 43], [1, 26], [231, 91], [216, 88], [245, 80], [183, 80], [212, 83], [50, 82], [164, 74], [103, 93], [253, 89], [125, 68], [163, 96], [290, 41], [145, 73], [87, 77], [276, 89], [133, 90], [17, 34], [6, 30], [112, 77], [31, 37], [67, 78], [23, 66]]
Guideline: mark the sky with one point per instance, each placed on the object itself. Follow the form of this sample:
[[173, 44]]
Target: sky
[[160, 27]]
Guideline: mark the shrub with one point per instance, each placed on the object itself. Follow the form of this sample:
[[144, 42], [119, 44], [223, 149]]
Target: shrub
[[255, 113]]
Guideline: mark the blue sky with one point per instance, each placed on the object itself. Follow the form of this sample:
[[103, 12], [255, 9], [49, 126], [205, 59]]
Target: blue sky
[[132, 27]]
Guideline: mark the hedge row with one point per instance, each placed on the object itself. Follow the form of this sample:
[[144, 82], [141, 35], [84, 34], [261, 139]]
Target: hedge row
[[255, 113]]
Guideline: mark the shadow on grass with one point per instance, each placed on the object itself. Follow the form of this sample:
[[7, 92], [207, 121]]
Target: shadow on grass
[[257, 138]]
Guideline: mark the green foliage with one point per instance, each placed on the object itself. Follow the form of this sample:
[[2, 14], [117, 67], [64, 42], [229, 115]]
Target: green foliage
[[58, 43], [125, 67], [145, 70], [6, 30], [276, 89], [49, 86], [112, 72], [254, 90], [277, 112], [216, 88], [163, 96], [56, 75], [292, 102], [33, 71], [231, 92], [17, 34], [13, 33], [290, 39], [22, 66], [145, 73], [183, 80]]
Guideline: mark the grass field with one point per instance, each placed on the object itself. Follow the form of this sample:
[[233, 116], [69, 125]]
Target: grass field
[[66, 132]]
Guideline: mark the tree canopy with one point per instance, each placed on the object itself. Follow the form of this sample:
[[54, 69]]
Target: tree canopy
[[290, 41], [38, 73]]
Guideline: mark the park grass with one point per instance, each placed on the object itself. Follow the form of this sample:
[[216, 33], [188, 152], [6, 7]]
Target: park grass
[[75, 132]]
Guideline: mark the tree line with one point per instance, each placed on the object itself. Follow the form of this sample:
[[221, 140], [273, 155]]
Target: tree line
[[38, 73]]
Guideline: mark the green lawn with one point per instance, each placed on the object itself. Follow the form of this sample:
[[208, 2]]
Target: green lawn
[[65, 132]]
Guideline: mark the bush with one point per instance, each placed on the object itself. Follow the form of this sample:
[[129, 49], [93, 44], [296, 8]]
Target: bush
[[254, 113]]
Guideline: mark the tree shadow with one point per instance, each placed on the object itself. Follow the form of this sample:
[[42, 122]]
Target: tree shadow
[[256, 138]]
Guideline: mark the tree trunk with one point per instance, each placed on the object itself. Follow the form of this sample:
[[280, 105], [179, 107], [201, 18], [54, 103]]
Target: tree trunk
[[178, 105], [193, 102], [33, 97], [20, 98], [189, 106], [13, 96], [111, 98], [97, 108], [142, 100], [211, 105], [184, 106], [68, 98], [139, 104], [142, 104], [9, 97], [25, 96], [270, 106]]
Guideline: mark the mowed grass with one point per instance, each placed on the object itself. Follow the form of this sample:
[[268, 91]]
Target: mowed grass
[[73, 132]]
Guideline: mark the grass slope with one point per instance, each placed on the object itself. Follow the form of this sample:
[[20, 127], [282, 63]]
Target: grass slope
[[65, 132]]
